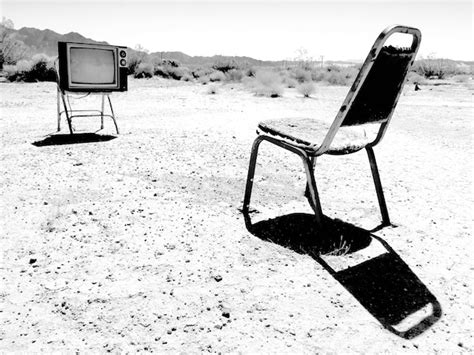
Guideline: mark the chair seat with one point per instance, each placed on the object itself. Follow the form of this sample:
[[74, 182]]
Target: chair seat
[[309, 133]]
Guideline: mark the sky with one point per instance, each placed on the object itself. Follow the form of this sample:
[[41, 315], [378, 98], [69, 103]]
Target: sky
[[267, 30]]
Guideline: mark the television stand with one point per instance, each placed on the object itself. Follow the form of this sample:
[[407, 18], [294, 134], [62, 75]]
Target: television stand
[[71, 113]]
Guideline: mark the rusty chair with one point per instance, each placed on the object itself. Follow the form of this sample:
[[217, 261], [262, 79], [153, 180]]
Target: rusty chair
[[369, 104]]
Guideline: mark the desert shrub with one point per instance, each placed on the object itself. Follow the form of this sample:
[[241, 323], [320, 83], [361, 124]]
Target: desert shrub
[[225, 65], [11, 72], [12, 50], [171, 63], [339, 78], [268, 83], [250, 72], [306, 89], [144, 70], [461, 78], [212, 90], [318, 74], [302, 75], [199, 72], [134, 60], [434, 67], [415, 78], [203, 80], [23, 65], [169, 70], [177, 72], [40, 68], [187, 77], [217, 76], [161, 71], [335, 75], [235, 75], [289, 82]]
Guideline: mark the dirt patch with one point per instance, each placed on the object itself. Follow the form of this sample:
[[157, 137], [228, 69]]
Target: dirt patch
[[137, 243]]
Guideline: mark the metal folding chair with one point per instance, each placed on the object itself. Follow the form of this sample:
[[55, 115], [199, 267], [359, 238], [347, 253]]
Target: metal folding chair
[[370, 102]]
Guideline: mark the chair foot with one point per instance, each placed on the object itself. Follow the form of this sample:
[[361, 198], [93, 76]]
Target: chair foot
[[251, 174], [378, 187], [311, 189]]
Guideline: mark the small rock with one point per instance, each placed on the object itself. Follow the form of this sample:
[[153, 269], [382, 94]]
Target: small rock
[[218, 278], [32, 261]]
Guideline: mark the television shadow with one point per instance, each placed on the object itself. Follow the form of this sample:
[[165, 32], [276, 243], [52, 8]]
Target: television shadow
[[61, 139], [384, 284]]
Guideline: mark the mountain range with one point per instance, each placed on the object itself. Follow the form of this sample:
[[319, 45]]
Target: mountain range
[[46, 41]]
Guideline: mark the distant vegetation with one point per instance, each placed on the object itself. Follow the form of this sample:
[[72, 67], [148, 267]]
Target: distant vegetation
[[20, 61]]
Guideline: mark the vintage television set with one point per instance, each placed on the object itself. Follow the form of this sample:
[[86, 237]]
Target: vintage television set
[[93, 69], [87, 67]]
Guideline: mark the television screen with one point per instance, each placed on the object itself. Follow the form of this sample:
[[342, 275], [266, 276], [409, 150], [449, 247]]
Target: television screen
[[92, 66]]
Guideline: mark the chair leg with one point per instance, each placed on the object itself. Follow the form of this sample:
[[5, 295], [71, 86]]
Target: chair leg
[[251, 173], [58, 107], [313, 196], [378, 187], [306, 190]]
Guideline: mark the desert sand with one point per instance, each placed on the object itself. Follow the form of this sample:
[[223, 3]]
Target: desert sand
[[137, 243]]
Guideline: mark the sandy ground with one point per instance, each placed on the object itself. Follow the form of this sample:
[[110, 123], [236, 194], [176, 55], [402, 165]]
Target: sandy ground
[[137, 243]]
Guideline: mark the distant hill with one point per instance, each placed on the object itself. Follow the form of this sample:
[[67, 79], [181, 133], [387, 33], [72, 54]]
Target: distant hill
[[203, 60], [46, 41]]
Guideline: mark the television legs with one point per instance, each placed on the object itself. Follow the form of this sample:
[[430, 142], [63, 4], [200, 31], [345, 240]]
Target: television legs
[[60, 97], [70, 113], [112, 111], [102, 113]]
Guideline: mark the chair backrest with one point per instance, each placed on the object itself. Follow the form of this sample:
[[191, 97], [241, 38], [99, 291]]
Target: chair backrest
[[376, 89]]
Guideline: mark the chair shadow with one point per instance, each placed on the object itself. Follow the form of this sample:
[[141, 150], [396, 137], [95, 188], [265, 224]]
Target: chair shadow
[[384, 284], [61, 139]]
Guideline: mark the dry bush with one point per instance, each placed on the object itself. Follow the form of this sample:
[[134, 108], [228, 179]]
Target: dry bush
[[203, 80], [462, 78], [200, 72], [134, 60], [168, 70], [144, 70], [439, 68], [335, 75], [302, 75], [178, 72], [39, 68], [212, 90], [289, 82], [415, 78], [235, 75], [217, 76], [268, 84], [250, 72], [306, 89], [225, 65], [187, 77], [12, 50]]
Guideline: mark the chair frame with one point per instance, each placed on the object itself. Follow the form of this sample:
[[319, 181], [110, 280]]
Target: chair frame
[[70, 113], [309, 155]]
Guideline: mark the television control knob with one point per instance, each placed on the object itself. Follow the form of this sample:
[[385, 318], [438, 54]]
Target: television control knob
[[123, 62], [123, 54]]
